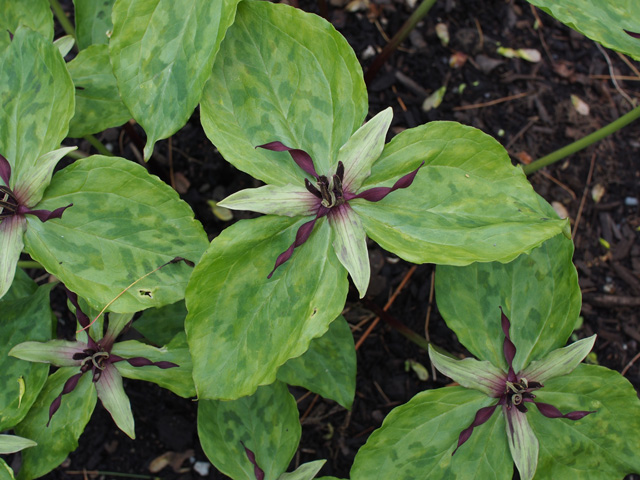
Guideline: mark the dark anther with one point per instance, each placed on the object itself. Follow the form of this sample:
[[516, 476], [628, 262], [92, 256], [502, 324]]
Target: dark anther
[[8, 202], [312, 189]]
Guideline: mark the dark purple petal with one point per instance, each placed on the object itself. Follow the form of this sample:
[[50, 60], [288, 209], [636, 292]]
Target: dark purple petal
[[481, 417], [83, 320], [508, 347], [378, 193], [633, 34], [257, 471], [43, 215], [143, 362], [5, 170], [68, 387], [550, 411], [302, 236], [302, 158]]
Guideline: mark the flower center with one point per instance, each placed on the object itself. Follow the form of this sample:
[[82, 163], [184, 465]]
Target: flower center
[[329, 189], [95, 360], [8, 203], [517, 393]]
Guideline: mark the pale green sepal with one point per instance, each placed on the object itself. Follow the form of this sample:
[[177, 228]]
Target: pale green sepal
[[33, 187], [65, 44], [111, 393], [559, 362], [117, 322], [56, 441], [363, 148], [11, 244], [306, 471], [471, 373], [287, 200], [13, 444], [177, 379], [55, 352], [350, 245], [523, 443]]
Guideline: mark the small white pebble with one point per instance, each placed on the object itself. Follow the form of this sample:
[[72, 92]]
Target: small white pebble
[[631, 201], [202, 468]]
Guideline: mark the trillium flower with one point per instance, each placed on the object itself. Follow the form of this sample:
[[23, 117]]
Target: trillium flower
[[329, 194], [514, 391], [92, 356], [18, 200]]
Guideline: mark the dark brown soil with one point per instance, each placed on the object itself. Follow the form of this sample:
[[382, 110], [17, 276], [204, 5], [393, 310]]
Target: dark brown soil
[[530, 126]]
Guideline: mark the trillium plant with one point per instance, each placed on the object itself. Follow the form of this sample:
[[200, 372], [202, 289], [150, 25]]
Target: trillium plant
[[330, 196], [281, 96], [514, 392]]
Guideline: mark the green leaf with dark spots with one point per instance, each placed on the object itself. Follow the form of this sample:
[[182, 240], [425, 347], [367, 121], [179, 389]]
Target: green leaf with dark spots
[[35, 14], [241, 321], [600, 446], [604, 21], [538, 292], [36, 94], [162, 52], [123, 224], [328, 367], [266, 423], [25, 319], [416, 440], [177, 379], [93, 22], [98, 103], [285, 75], [22, 286], [467, 203], [60, 438]]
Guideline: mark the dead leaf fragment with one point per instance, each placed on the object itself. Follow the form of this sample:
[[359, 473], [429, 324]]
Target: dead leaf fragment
[[221, 213], [597, 192], [173, 459], [560, 209], [524, 157], [580, 105], [458, 59], [442, 31], [434, 100]]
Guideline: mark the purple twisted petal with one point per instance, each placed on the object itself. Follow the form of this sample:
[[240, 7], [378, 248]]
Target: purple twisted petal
[[43, 215], [508, 347], [302, 158], [633, 34], [257, 471], [82, 317], [68, 387], [5, 170], [481, 417], [376, 194], [550, 411], [142, 362]]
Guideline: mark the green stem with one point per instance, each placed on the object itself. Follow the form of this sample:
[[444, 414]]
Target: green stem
[[76, 154], [397, 39], [62, 18], [98, 145], [584, 142], [29, 264]]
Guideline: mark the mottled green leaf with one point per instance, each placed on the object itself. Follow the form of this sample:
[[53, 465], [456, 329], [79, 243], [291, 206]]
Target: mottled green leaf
[[162, 52], [285, 75], [602, 445], [98, 103], [36, 94], [35, 14], [123, 224], [538, 292], [12, 444], [93, 21], [177, 379], [456, 211], [601, 20], [328, 367], [5, 471], [265, 423], [306, 471], [60, 438], [22, 286], [24, 319], [160, 325], [65, 44], [243, 326], [416, 440]]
